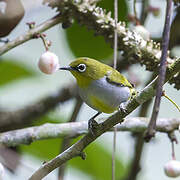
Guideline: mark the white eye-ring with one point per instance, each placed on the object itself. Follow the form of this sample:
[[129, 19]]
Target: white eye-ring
[[81, 67]]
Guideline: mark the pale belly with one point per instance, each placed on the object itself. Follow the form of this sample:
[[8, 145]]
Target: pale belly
[[103, 96]]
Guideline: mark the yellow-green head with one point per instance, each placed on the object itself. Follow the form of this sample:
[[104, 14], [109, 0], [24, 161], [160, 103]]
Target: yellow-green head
[[85, 70]]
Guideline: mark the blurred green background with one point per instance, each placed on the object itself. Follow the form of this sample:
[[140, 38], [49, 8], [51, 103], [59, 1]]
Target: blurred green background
[[20, 77]]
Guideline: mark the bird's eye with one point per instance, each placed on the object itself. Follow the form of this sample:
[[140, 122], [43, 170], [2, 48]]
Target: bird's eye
[[81, 67]]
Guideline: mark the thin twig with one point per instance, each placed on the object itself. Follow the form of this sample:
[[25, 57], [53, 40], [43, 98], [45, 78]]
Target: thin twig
[[46, 45], [66, 141], [115, 65], [135, 12], [167, 97], [144, 12], [173, 151], [114, 153], [115, 32], [31, 34], [162, 71], [173, 140], [135, 165]]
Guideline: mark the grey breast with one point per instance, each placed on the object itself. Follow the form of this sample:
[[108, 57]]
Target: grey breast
[[111, 94]]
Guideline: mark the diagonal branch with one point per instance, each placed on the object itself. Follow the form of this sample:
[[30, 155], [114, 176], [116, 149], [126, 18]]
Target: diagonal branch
[[30, 34], [77, 148], [67, 141]]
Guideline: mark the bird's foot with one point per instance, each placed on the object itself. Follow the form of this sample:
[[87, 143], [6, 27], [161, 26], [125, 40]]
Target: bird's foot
[[92, 125], [122, 108]]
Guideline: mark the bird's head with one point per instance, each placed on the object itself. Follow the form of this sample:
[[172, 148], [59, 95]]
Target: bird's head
[[86, 70]]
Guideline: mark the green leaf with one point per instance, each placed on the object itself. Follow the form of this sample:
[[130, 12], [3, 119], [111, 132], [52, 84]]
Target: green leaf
[[98, 163], [11, 71], [122, 8], [83, 43], [44, 149]]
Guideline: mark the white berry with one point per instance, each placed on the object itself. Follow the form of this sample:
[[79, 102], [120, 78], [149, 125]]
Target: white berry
[[142, 31], [48, 63], [172, 168]]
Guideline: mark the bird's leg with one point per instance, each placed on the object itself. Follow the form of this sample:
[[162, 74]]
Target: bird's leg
[[92, 124]]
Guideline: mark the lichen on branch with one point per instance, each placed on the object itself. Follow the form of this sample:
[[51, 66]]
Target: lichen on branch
[[134, 47]]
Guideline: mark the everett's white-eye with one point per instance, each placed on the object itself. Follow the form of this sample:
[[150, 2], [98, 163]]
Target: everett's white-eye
[[100, 86]]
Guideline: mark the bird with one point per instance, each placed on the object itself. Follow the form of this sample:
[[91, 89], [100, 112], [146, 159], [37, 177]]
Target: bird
[[100, 86]]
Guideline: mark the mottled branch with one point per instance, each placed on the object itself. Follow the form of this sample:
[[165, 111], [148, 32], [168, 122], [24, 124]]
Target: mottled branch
[[74, 129], [134, 47]]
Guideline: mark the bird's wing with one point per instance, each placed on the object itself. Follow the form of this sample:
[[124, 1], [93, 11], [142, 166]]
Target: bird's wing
[[114, 77]]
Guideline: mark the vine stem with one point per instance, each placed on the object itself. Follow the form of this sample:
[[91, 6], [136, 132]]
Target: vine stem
[[115, 65], [167, 97], [135, 13]]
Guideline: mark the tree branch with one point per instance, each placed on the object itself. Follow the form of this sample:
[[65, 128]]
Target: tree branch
[[66, 141], [25, 116], [75, 129], [136, 50], [31, 34], [135, 165], [144, 11], [162, 72]]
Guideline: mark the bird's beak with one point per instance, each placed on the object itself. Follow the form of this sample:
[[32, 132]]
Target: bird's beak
[[68, 68]]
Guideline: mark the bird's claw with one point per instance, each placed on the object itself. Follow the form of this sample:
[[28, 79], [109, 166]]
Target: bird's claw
[[92, 125], [122, 108]]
